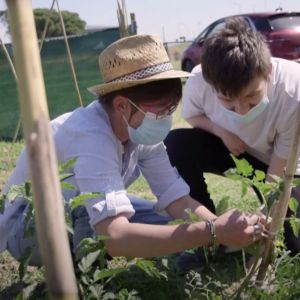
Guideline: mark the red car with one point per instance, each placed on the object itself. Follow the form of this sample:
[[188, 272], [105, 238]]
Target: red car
[[280, 29]]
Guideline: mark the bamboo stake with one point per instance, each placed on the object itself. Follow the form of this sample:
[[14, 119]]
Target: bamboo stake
[[122, 18], [13, 70], [279, 208], [69, 55], [50, 225], [11, 65], [46, 27]]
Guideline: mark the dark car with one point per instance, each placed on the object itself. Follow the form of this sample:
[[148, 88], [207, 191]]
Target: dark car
[[280, 29]]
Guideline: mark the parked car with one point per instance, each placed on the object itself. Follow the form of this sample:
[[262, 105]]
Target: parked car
[[280, 29]]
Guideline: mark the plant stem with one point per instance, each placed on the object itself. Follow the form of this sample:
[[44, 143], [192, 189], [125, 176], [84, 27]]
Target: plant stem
[[279, 208]]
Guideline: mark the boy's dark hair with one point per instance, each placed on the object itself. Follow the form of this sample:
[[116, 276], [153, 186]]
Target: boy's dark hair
[[234, 56], [168, 91]]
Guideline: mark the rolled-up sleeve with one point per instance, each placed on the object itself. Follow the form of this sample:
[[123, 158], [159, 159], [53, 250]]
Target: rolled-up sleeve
[[164, 180], [113, 204], [97, 170]]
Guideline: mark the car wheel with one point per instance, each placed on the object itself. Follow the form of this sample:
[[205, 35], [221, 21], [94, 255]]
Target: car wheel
[[187, 65]]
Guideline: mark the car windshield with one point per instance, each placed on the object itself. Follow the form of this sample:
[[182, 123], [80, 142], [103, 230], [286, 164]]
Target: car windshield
[[285, 22]]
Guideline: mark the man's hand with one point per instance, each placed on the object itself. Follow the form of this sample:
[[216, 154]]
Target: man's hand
[[235, 228]]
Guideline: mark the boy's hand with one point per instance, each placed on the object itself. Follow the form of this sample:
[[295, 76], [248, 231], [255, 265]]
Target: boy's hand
[[233, 143]]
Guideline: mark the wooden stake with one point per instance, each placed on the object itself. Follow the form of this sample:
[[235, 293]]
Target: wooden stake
[[50, 225], [280, 207], [12, 67], [46, 27], [122, 18], [69, 55], [11, 64]]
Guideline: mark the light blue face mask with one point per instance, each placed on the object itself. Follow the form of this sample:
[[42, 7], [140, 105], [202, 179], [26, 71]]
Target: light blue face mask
[[152, 130], [251, 115]]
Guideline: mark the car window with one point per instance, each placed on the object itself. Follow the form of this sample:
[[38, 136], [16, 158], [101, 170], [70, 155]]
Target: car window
[[261, 24], [285, 22], [215, 28], [202, 35]]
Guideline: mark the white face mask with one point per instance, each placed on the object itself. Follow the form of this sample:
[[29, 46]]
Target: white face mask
[[251, 115], [152, 130]]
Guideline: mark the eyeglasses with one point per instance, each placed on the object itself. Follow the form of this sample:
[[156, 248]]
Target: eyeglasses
[[159, 112]]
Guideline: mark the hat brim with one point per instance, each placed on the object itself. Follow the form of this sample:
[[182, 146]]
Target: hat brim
[[106, 88]]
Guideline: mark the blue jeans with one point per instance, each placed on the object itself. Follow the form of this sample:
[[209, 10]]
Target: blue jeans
[[17, 244]]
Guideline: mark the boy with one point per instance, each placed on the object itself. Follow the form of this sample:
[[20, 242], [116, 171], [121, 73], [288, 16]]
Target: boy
[[240, 101]]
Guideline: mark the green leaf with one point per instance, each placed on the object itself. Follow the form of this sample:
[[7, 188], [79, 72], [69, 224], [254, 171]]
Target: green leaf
[[111, 296], [68, 165], [281, 186], [107, 273], [16, 191], [67, 186], [69, 229], [24, 261], [243, 167], [29, 221], [232, 174], [85, 279], [29, 232], [27, 292], [222, 206], [148, 267], [125, 295], [64, 176], [295, 182], [253, 249], [295, 224], [86, 246], [102, 238], [97, 291], [245, 186], [259, 175], [271, 198], [165, 263], [81, 199], [28, 192], [293, 205], [177, 222], [87, 261], [2, 203], [192, 216]]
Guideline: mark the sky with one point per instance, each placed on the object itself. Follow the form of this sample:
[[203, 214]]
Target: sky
[[171, 19]]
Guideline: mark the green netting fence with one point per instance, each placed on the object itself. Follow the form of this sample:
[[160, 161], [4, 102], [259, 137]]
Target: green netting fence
[[59, 85]]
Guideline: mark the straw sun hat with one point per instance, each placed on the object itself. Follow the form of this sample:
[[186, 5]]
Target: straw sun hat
[[133, 61]]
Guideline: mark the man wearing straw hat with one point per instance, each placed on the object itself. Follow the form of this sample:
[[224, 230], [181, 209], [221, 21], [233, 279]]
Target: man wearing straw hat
[[114, 140], [241, 101]]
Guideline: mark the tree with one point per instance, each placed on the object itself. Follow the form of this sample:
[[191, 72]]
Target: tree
[[73, 23]]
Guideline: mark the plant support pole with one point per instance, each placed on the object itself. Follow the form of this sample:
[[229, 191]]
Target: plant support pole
[[40, 46], [69, 55], [12, 67], [280, 207], [49, 214]]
